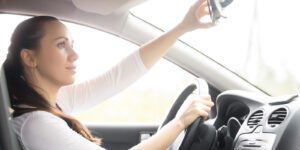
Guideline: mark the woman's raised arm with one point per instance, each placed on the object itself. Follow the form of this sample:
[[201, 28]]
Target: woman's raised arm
[[152, 51]]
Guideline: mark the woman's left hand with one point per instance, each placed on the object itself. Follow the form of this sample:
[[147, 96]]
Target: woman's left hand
[[193, 107], [195, 17]]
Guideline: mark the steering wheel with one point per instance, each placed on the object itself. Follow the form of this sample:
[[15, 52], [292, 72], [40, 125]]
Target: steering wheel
[[195, 128]]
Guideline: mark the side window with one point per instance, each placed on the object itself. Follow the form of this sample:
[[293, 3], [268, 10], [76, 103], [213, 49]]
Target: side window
[[146, 101]]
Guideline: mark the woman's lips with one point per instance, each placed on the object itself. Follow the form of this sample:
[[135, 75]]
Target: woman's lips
[[72, 68]]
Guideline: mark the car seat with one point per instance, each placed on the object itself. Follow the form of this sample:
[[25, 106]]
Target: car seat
[[8, 140]]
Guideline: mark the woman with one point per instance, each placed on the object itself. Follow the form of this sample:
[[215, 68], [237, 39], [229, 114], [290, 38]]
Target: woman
[[40, 71]]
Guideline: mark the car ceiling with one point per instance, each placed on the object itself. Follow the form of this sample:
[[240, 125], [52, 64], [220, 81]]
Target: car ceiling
[[106, 7], [109, 15]]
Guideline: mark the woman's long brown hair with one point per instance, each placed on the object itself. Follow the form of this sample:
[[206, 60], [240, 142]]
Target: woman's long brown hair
[[28, 34]]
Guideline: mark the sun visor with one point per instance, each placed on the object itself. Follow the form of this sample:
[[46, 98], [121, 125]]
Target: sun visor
[[106, 7]]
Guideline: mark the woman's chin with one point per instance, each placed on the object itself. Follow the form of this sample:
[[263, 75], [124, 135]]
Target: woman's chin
[[69, 81]]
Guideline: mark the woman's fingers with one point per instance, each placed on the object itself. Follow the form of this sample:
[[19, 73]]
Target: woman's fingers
[[205, 105], [205, 99], [194, 107], [202, 105], [202, 8], [195, 17], [208, 103], [202, 15]]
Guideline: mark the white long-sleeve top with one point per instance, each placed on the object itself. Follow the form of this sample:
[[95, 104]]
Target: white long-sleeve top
[[42, 130]]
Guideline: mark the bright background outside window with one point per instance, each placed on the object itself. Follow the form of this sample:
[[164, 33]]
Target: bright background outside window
[[146, 101], [259, 40]]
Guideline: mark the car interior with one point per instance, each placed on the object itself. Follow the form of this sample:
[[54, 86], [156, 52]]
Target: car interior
[[244, 117]]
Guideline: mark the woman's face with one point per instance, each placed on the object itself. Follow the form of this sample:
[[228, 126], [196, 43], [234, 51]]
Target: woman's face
[[55, 57]]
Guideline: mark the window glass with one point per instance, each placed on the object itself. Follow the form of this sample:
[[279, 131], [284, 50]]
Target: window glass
[[146, 101], [258, 40]]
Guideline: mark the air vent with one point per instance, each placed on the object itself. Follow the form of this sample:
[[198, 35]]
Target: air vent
[[277, 117], [255, 118]]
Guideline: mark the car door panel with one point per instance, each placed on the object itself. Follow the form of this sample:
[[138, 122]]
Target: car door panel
[[116, 137]]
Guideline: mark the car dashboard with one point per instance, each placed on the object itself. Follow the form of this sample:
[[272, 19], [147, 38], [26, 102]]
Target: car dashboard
[[264, 122]]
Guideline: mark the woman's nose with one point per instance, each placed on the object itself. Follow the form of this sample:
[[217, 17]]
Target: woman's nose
[[73, 56]]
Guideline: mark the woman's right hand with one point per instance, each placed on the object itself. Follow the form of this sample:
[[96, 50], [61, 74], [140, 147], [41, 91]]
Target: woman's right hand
[[194, 106]]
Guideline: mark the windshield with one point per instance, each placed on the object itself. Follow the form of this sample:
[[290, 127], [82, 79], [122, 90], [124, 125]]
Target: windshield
[[257, 40]]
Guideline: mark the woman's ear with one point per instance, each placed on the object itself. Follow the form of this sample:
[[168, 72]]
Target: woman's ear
[[28, 58]]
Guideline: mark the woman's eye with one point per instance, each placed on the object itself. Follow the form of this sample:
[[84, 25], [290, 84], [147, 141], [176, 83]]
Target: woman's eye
[[61, 45]]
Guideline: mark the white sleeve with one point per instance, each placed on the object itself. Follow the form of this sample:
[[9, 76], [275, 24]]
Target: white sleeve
[[82, 96], [45, 131]]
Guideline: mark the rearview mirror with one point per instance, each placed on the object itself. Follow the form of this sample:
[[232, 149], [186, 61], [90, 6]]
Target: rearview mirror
[[216, 7]]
